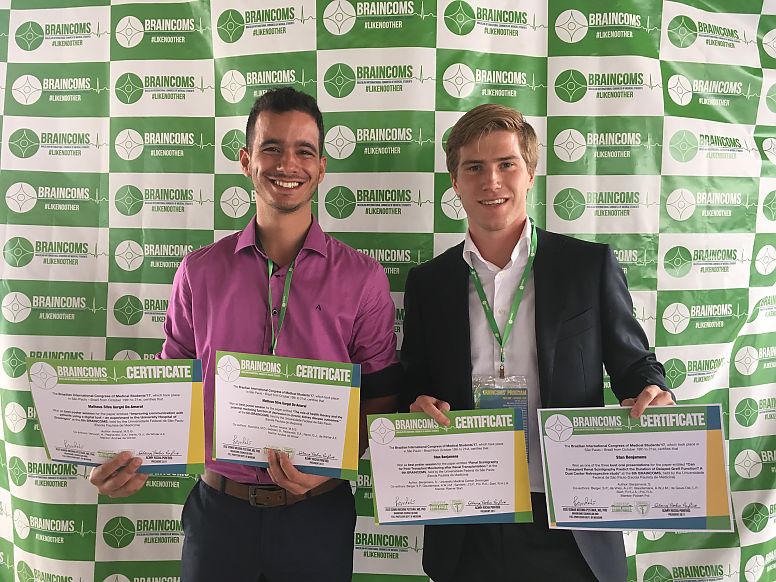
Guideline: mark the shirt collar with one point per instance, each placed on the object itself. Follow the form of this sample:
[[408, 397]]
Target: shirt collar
[[470, 250], [314, 241]]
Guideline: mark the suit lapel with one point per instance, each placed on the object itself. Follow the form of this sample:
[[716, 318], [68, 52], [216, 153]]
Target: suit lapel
[[548, 308], [456, 313]]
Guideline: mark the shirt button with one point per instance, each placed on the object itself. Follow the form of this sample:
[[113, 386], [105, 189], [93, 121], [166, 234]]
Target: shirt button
[[274, 312], [501, 312]]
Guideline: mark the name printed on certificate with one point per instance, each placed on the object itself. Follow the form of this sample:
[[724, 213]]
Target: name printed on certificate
[[90, 410], [473, 471], [306, 408], [665, 470]]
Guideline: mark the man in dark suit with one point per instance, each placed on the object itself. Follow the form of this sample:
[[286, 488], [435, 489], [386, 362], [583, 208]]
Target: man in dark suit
[[513, 299]]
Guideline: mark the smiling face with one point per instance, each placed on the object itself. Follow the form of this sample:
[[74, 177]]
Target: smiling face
[[492, 181], [284, 162]]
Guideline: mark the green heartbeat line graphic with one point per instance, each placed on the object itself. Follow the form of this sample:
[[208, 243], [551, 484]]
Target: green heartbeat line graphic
[[202, 28], [304, 81], [533, 86], [423, 14], [202, 87], [749, 93], [201, 200], [97, 198], [642, 315], [98, 89], [421, 77], [420, 201], [201, 144], [533, 26], [652, 85], [532, 201], [95, 308], [100, 33], [420, 141], [647, 28], [303, 18], [745, 40], [650, 144], [98, 144]]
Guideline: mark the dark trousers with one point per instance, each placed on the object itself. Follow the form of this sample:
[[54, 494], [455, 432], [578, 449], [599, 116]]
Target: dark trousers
[[518, 552], [227, 539]]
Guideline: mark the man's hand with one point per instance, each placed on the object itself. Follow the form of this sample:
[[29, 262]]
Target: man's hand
[[651, 396], [119, 477], [433, 407], [289, 477]]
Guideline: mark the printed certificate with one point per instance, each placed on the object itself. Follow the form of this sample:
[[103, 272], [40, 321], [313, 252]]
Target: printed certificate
[[663, 471], [473, 471], [306, 408], [90, 410]]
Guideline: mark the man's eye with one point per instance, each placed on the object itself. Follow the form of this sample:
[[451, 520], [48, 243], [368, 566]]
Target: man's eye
[[475, 168], [508, 165]]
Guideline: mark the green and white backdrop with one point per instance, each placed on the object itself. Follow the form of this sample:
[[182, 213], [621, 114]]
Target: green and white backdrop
[[121, 123]]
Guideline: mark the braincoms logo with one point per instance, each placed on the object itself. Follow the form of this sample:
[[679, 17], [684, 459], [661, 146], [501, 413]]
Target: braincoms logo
[[569, 145], [458, 80], [748, 464], [128, 310], [18, 251], [676, 372], [765, 261], [683, 146], [230, 26], [682, 31], [235, 202], [129, 88], [680, 90], [769, 206], [339, 17], [29, 36], [14, 362], [129, 255], [129, 200], [678, 261], [340, 202], [460, 18], [755, 517], [340, 142], [118, 532], [339, 80], [571, 86], [24, 143], [680, 204], [676, 318], [747, 412], [569, 204], [17, 470], [232, 143], [21, 197], [27, 90], [747, 360], [129, 144], [129, 32], [658, 573], [16, 307], [571, 26]]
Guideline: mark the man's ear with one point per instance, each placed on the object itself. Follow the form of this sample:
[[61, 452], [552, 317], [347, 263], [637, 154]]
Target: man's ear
[[454, 180], [245, 161], [322, 174]]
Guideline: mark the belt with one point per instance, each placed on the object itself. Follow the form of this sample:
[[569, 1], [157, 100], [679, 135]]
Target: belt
[[264, 495]]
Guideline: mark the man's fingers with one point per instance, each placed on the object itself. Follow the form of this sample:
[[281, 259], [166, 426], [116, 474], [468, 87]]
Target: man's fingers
[[628, 402], [134, 485], [99, 475], [651, 395], [433, 407]]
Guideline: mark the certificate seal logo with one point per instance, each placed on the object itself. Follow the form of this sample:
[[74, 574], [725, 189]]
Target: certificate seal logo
[[754, 568], [43, 376], [642, 507], [558, 428], [748, 464], [228, 368], [382, 431]]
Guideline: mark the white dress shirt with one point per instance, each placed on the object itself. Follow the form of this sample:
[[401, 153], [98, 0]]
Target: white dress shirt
[[500, 286]]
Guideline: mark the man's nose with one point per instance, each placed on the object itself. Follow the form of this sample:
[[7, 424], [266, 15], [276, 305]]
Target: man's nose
[[491, 178]]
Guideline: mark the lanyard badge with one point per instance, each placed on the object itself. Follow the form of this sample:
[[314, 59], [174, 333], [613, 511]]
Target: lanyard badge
[[502, 338], [508, 392], [283, 300]]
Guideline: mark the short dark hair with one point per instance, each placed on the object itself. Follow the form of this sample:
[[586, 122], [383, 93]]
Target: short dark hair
[[281, 100]]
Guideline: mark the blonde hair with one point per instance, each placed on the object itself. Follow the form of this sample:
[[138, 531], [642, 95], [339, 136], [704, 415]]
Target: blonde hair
[[486, 118]]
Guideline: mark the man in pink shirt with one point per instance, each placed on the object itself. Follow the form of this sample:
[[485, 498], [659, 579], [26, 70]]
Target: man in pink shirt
[[279, 524]]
